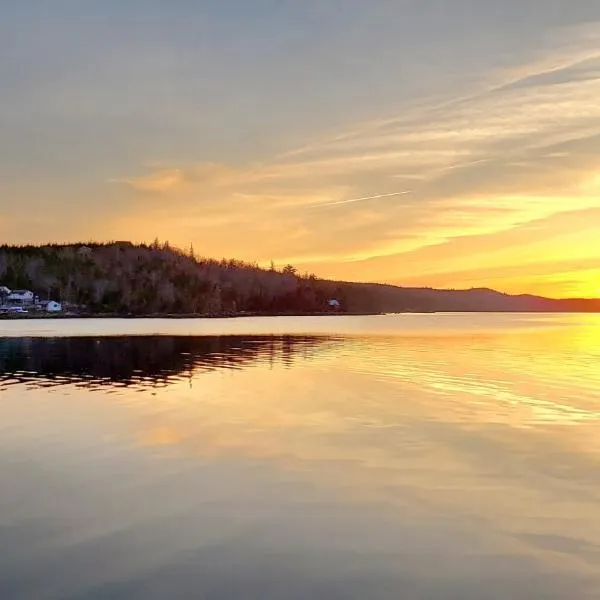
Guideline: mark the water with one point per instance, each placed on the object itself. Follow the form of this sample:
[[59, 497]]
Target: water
[[402, 456]]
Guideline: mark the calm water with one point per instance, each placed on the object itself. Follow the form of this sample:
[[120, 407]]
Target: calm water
[[412, 456]]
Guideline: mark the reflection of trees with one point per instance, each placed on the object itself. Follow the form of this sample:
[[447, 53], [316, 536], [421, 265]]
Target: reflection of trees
[[139, 360]]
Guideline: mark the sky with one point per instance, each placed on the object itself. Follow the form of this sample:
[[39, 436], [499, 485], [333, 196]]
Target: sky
[[437, 143]]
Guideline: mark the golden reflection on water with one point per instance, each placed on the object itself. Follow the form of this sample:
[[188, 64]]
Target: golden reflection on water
[[494, 432], [502, 416]]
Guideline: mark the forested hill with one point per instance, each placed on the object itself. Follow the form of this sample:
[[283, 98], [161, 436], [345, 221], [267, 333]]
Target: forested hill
[[125, 278]]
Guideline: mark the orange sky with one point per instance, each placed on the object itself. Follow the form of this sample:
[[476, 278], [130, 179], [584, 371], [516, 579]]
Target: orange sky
[[462, 149]]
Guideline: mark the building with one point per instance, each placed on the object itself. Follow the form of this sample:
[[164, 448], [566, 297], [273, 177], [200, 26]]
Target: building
[[21, 297], [12, 309], [4, 294], [334, 304], [53, 307]]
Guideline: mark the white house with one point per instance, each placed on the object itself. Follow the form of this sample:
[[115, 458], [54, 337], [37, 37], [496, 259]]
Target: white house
[[21, 296], [12, 308], [16, 309], [4, 291], [334, 303], [53, 306]]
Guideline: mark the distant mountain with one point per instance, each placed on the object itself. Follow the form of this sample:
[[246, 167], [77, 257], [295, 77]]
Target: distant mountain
[[388, 298], [124, 278]]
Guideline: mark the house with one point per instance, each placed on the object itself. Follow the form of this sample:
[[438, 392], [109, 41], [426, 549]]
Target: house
[[12, 309], [4, 294], [21, 297], [334, 304], [53, 307]]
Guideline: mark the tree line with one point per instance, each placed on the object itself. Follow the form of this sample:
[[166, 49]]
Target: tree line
[[121, 277], [157, 278]]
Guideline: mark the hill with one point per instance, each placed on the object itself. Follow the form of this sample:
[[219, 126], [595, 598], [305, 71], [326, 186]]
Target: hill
[[124, 278], [388, 298]]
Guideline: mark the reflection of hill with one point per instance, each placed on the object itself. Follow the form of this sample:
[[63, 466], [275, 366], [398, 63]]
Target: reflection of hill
[[138, 361]]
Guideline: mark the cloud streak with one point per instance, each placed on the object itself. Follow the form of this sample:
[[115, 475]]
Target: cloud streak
[[364, 198], [158, 182]]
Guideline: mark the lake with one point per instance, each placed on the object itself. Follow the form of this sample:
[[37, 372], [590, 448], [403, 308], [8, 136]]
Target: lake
[[439, 456]]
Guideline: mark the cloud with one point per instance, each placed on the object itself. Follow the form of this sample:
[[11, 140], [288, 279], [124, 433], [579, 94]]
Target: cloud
[[364, 198], [575, 73], [159, 181], [481, 163]]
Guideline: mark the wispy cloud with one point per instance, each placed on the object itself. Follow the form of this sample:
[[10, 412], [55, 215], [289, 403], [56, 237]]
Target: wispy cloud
[[155, 182], [429, 167], [480, 166]]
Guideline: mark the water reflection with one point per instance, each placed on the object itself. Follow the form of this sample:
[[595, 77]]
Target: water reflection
[[424, 464], [139, 361]]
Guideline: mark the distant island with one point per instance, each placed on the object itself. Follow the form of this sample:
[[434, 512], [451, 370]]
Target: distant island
[[126, 279]]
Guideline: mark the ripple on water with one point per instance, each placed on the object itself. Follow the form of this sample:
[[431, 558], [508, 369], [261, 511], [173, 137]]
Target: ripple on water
[[323, 464]]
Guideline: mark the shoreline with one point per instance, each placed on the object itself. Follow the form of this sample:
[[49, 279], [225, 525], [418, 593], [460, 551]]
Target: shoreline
[[181, 316], [32, 316]]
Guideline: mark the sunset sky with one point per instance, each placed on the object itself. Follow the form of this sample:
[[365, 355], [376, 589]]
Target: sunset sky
[[418, 142]]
